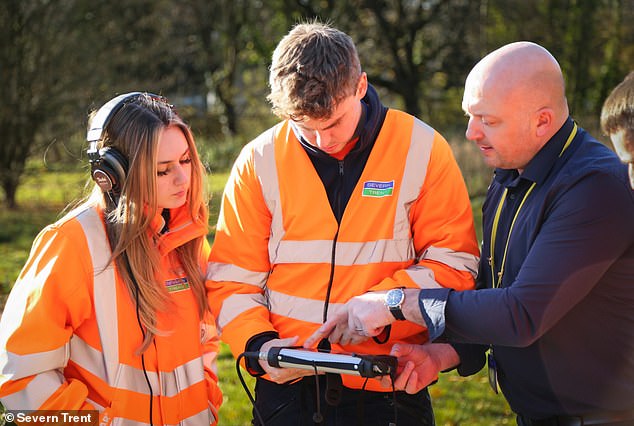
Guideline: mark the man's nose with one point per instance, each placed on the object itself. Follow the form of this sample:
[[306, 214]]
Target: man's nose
[[322, 138], [473, 132]]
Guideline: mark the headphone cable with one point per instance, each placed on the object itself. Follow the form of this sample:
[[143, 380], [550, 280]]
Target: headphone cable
[[256, 412], [138, 318]]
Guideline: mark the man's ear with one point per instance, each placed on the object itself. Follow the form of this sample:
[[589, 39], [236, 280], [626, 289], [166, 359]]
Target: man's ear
[[362, 86], [544, 122]]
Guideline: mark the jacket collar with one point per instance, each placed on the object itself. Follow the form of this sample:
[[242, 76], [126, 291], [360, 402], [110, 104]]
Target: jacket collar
[[542, 163], [181, 229]]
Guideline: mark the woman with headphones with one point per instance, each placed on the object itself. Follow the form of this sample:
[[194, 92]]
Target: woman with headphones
[[110, 313]]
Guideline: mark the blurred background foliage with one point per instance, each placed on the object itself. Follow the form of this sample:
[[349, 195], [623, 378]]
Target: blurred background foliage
[[59, 59]]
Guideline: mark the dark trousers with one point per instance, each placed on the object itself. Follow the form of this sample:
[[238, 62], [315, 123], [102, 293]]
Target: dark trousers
[[296, 405]]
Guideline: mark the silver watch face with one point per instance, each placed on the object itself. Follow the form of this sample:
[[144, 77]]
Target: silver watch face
[[394, 297]]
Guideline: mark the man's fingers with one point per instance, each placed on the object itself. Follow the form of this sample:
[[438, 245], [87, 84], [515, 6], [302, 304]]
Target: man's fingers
[[412, 384], [322, 332], [403, 377]]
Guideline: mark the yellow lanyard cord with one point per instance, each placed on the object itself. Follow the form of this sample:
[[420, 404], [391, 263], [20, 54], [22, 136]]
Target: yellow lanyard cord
[[496, 220]]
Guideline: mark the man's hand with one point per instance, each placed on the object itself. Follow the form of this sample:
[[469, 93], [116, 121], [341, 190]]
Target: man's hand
[[361, 317], [419, 365], [282, 375]]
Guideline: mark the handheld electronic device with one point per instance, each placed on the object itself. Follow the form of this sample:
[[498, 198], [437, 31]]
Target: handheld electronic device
[[326, 362]]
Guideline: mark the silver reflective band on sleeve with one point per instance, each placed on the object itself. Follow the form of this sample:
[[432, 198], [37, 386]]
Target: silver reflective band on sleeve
[[36, 392], [236, 304], [227, 272], [19, 366], [87, 357], [422, 276], [460, 261]]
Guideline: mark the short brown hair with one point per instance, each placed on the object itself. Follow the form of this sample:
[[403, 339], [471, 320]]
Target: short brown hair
[[618, 109], [314, 67]]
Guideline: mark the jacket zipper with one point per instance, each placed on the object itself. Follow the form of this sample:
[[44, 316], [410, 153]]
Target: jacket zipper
[[338, 215]]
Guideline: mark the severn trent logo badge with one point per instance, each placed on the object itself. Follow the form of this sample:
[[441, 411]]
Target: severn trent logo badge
[[377, 189]]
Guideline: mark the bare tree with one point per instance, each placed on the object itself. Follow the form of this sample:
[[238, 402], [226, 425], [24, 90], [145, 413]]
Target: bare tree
[[57, 59]]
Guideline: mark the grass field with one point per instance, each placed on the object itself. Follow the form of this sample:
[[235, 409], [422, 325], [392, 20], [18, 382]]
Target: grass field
[[457, 401]]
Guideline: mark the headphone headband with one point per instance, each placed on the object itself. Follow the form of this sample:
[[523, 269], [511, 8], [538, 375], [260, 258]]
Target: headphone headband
[[104, 114], [108, 166]]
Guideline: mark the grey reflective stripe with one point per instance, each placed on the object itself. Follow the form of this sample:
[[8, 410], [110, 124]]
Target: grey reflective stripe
[[414, 175], [236, 304], [133, 379], [278, 303], [460, 261], [422, 276], [36, 392], [265, 167], [104, 290], [87, 357], [227, 272], [300, 308], [19, 366], [205, 417], [348, 253], [182, 377]]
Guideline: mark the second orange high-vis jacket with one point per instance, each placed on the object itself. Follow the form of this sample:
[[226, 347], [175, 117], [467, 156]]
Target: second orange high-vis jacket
[[278, 246], [69, 333]]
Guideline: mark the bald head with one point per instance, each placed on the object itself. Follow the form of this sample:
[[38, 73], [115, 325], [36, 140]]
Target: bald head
[[524, 72], [515, 99]]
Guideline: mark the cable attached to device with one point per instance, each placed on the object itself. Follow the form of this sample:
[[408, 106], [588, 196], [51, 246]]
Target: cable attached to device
[[331, 364], [244, 384]]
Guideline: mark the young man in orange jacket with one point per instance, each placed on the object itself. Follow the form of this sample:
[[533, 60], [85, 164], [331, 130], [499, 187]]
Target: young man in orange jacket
[[343, 197]]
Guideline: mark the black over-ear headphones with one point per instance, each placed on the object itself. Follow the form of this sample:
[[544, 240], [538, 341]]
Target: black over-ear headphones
[[108, 166]]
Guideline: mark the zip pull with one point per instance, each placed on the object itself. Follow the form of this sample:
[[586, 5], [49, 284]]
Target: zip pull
[[340, 167]]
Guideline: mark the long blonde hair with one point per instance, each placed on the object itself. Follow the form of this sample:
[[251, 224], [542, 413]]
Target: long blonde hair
[[134, 131]]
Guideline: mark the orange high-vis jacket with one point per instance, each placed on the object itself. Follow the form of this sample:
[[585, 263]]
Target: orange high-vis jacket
[[408, 223], [69, 332]]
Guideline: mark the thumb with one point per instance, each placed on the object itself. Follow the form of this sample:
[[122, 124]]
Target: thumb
[[397, 350], [288, 341]]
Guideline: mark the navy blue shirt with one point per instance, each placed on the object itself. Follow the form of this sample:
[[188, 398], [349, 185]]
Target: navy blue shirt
[[562, 322]]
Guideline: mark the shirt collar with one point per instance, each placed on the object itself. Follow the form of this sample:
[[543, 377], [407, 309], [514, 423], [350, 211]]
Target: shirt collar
[[540, 165]]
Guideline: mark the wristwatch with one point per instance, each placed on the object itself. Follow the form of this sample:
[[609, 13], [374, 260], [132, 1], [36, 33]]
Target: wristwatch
[[394, 301]]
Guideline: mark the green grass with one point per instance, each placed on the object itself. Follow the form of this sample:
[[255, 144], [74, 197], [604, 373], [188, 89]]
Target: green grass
[[44, 194]]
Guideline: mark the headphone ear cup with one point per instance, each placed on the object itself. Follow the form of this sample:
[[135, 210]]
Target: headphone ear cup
[[110, 170]]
